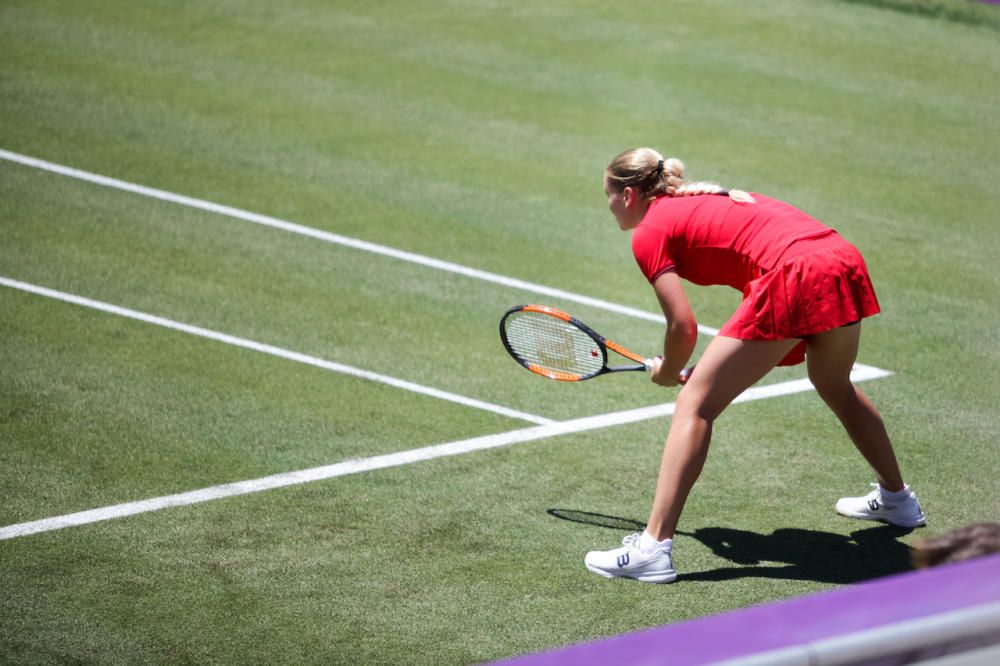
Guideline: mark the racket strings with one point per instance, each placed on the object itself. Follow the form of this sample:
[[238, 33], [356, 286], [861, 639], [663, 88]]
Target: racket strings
[[552, 343]]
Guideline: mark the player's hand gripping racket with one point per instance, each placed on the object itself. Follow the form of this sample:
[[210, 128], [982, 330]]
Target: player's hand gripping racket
[[559, 346]]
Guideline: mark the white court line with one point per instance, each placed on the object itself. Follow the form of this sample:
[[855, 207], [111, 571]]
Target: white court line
[[337, 239], [270, 349], [393, 460]]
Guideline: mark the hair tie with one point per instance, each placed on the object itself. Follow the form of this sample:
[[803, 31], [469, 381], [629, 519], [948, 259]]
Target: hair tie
[[659, 168]]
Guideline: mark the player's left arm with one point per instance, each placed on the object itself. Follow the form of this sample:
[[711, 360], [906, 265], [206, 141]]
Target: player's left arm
[[682, 329]]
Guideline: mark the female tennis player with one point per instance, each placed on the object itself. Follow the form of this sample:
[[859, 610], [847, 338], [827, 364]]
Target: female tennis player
[[805, 291]]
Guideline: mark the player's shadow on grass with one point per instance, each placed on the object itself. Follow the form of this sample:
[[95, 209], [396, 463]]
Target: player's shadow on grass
[[786, 553]]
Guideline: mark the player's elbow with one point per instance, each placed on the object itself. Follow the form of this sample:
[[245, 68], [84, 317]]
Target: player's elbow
[[684, 330]]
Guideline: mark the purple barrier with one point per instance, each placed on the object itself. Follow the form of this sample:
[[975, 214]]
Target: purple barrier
[[918, 600]]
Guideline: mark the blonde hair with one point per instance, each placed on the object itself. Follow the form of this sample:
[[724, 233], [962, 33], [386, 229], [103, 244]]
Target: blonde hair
[[653, 176]]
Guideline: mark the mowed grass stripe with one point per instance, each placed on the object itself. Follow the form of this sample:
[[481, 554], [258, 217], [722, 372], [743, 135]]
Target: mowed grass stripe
[[329, 237], [270, 349], [337, 239], [345, 468], [321, 299]]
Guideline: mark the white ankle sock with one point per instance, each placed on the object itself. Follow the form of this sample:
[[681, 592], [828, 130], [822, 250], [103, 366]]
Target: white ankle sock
[[897, 496], [649, 544]]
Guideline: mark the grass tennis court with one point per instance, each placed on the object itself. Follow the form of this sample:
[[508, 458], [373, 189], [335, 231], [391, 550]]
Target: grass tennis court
[[472, 134]]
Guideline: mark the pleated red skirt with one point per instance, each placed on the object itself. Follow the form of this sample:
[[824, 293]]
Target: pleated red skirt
[[818, 286]]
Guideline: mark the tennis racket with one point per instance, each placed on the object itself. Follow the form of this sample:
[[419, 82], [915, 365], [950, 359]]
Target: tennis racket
[[557, 345]]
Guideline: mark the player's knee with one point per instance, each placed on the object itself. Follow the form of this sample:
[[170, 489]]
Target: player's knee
[[832, 388], [697, 404]]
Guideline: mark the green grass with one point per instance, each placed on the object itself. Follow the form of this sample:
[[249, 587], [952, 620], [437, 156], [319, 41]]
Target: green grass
[[474, 133]]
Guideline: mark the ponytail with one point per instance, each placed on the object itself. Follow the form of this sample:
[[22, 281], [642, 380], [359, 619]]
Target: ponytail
[[694, 189]]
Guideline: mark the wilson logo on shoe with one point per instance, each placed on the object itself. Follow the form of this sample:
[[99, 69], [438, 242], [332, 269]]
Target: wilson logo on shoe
[[873, 504], [622, 560]]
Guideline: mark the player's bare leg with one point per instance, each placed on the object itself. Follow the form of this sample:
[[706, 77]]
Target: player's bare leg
[[830, 357], [727, 368]]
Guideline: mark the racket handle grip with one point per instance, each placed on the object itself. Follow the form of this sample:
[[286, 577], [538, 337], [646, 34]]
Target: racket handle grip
[[682, 376]]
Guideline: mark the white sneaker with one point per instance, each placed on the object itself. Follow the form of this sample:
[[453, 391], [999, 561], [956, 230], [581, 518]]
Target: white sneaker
[[630, 561], [905, 513]]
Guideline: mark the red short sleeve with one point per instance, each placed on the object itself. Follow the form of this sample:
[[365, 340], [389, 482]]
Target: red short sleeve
[[649, 246]]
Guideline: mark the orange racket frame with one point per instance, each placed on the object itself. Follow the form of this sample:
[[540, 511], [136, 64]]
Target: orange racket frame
[[602, 345]]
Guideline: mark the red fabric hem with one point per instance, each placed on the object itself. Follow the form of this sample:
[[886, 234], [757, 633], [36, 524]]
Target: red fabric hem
[[811, 293]]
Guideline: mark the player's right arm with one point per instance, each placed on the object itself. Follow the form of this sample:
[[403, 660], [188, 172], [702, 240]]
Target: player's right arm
[[682, 329]]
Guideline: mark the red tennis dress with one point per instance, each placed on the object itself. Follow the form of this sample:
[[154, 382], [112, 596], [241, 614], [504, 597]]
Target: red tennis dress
[[798, 276]]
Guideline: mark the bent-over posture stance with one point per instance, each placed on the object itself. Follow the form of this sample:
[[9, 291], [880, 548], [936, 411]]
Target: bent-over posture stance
[[805, 292]]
